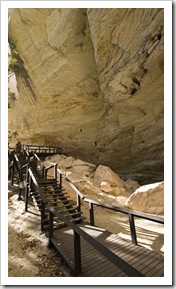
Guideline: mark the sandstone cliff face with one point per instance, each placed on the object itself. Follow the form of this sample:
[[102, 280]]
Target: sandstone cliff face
[[93, 83]]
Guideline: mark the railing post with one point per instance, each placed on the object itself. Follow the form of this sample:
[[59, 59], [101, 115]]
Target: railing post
[[34, 160], [12, 174], [91, 211], [42, 214], [26, 196], [78, 203], [30, 184], [77, 254], [27, 189], [20, 184], [60, 181], [43, 171], [50, 227], [55, 172], [132, 229]]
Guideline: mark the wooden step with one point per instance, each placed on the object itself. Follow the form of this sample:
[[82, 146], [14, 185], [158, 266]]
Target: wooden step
[[56, 218], [73, 214], [46, 181], [51, 194], [57, 189], [50, 198], [78, 219], [75, 220], [58, 207]]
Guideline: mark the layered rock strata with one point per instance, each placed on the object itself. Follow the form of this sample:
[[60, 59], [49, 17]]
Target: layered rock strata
[[91, 81]]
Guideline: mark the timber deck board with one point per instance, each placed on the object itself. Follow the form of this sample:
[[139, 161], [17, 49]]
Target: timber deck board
[[149, 263]]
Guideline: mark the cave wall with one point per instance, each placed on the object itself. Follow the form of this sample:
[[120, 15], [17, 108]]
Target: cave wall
[[92, 82]]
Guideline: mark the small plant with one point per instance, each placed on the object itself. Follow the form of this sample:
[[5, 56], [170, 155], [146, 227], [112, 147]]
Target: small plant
[[14, 63], [12, 134]]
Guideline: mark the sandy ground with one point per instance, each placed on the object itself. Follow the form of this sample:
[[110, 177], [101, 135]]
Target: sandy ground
[[29, 255], [28, 252]]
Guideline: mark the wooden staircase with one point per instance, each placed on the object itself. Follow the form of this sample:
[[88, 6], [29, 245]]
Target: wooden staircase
[[56, 196]]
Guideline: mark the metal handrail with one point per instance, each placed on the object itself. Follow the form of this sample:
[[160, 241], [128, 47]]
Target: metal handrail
[[146, 216], [82, 196], [131, 213], [78, 232], [41, 148]]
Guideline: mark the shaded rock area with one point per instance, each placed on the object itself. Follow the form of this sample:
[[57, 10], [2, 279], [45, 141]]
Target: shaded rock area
[[104, 185], [91, 81]]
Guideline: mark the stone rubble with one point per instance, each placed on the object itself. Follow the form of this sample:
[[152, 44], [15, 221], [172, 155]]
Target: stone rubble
[[103, 184]]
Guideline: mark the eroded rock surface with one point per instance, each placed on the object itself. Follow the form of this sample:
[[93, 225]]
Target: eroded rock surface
[[91, 81], [98, 183], [148, 199]]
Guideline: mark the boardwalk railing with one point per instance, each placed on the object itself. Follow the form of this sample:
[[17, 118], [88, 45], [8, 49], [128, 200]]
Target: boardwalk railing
[[79, 195], [131, 213], [43, 149], [20, 169], [78, 233]]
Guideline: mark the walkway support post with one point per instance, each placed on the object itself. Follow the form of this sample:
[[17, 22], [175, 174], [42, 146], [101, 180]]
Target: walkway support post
[[77, 254], [13, 170], [132, 229], [20, 184], [42, 214], [50, 227], [78, 203], [91, 211], [55, 172], [26, 189], [60, 181]]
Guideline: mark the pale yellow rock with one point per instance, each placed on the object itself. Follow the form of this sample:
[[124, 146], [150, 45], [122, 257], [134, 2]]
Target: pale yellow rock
[[105, 174], [148, 198], [79, 162], [106, 187], [131, 185], [67, 162], [74, 178], [83, 171], [91, 81], [117, 191], [90, 190]]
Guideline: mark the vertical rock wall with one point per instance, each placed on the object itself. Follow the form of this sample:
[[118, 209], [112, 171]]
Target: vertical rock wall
[[93, 83]]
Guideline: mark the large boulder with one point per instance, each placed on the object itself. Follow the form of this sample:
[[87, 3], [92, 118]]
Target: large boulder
[[82, 168], [148, 199], [105, 174], [131, 185]]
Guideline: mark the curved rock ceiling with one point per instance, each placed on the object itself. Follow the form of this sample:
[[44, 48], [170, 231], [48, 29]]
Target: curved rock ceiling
[[92, 82]]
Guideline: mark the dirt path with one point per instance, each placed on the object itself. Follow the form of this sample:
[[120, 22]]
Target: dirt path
[[28, 252]]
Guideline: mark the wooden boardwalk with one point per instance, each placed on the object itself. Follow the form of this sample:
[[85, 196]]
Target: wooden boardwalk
[[149, 263]]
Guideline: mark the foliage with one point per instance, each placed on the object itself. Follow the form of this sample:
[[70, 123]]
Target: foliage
[[14, 61], [13, 65], [12, 134]]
